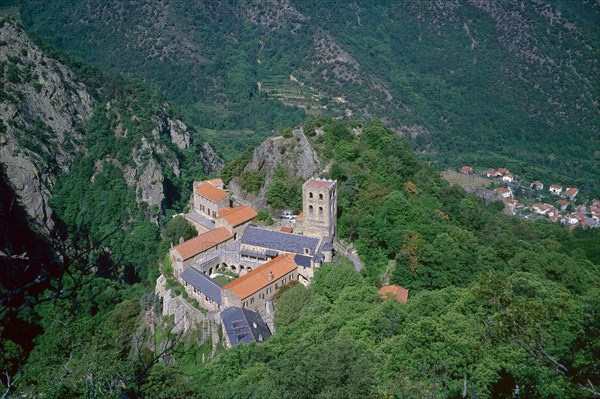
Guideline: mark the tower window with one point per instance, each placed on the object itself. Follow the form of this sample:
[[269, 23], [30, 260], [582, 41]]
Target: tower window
[[320, 196], [310, 195], [320, 211], [310, 209]]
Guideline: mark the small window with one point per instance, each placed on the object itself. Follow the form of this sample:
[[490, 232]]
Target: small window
[[310, 195], [310, 209], [306, 251], [320, 196], [320, 211]]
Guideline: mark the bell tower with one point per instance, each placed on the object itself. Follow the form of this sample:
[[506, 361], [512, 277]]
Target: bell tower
[[319, 205]]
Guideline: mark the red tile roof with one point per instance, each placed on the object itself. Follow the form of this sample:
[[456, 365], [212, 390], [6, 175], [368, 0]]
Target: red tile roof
[[300, 216], [571, 191], [556, 187], [203, 242], [260, 277], [562, 202], [287, 229], [394, 292], [207, 190], [238, 215]]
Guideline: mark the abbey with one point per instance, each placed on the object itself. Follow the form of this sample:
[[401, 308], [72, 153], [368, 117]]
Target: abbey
[[264, 259]]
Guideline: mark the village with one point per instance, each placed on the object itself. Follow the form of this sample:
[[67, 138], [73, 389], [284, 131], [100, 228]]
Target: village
[[534, 201], [233, 268]]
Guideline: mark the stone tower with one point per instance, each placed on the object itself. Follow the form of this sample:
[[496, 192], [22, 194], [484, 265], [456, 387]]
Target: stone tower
[[319, 204]]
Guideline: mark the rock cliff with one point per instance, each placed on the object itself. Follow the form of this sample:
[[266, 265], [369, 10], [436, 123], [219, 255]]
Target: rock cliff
[[294, 154], [41, 103], [45, 111]]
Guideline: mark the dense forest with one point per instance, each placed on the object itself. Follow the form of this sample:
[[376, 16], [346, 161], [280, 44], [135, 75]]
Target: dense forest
[[499, 307], [496, 304], [506, 84]]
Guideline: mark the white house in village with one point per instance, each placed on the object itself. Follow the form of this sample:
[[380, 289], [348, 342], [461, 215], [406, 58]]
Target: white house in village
[[555, 189]]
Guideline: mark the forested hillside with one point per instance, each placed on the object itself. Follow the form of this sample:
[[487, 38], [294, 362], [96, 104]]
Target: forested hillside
[[499, 307], [484, 83]]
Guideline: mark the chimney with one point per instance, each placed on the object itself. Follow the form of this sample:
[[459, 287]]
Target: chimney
[[181, 240], [270, 276]]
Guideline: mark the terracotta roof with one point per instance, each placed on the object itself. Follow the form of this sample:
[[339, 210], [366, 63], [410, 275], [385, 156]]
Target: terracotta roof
[[238, 215], [287, 229], [562, 202], [502, 190], [556, 187], [216, 182], [394, 292], [203, 242], [259, 278], [300, 216], [318, 183], [571, 191], [538, 183], [207, 190], [502, 170], [466, 169]]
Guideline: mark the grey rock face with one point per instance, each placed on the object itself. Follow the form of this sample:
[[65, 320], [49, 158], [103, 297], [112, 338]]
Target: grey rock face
[[42, 105], [294, 154]]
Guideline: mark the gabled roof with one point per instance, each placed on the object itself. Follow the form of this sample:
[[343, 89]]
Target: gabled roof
[[555, 186], [238, 215], [286, 242], [244, 325], [562, 202], [209, 191], [319, 183], [203, 242], [502, 190], [537, 183], [202, 283], [395, 292], [261, 277], [571, 191]]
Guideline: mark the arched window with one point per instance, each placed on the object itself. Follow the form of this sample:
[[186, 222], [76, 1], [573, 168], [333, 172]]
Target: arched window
[[310, 195], [320, 211], [310, 209], [320, 196]]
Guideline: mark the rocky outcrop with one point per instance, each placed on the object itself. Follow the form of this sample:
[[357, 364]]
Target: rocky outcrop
[[294, 154], [41, 103], [44, 109]]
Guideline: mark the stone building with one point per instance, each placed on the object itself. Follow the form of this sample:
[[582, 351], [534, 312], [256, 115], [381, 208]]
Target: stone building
[[202, 288], [256, 288], [243, 325], [319, 209], [193, 250], [236, 219], [210, 199]]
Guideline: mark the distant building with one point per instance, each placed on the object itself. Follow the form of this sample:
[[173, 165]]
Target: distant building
[[537, 185], [503, 171], [394, 292], [467, 170], [571, 193], [507, 178], [562, 204], [556, 190], [202, 288], [505, 192]]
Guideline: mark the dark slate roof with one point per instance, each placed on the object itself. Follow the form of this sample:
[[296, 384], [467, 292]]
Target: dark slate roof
[[240, 325], [202, 283], [327, 246], [280, 241], [302, 260]]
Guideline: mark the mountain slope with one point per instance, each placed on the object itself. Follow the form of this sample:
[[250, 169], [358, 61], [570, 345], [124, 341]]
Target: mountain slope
[[51, 119], [480, 82]]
